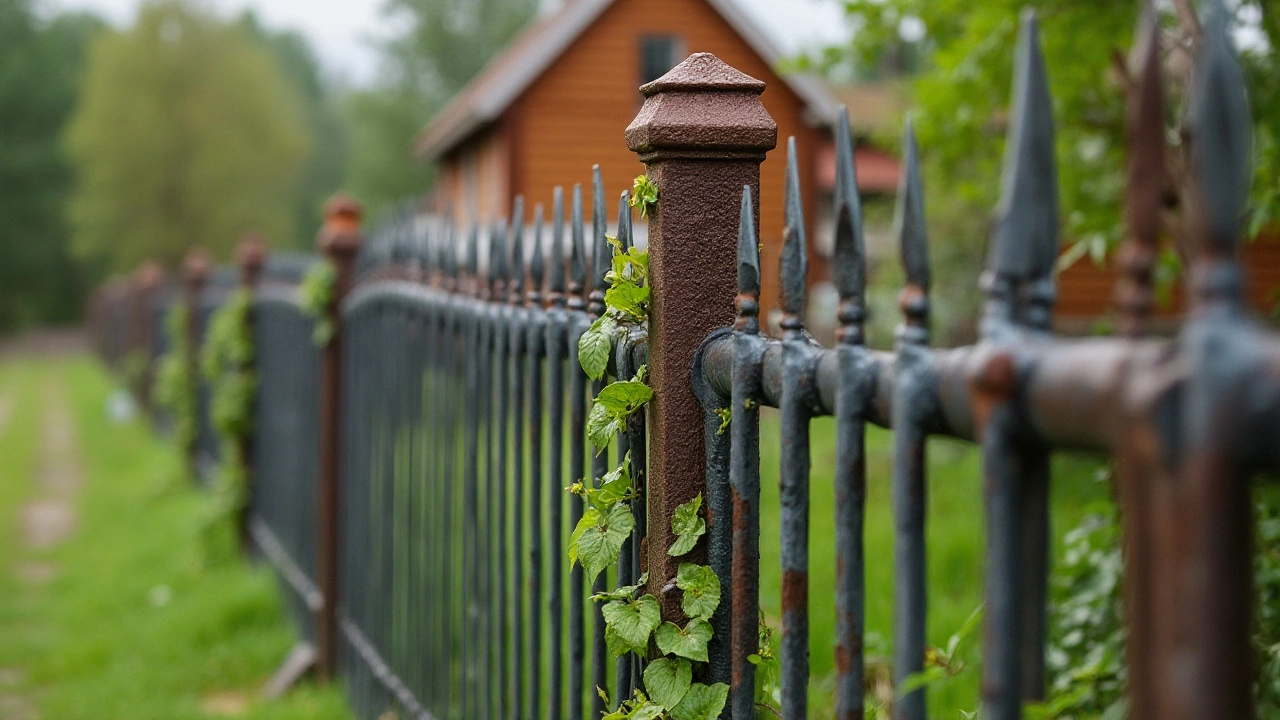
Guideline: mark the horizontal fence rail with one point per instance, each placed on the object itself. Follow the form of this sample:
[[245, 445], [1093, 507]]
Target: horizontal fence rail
[[408, 472]]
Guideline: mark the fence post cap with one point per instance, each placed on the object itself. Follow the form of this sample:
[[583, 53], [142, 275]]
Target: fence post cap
[[197, 265], [702, 108], [340, 234], [148, 275], [251, 255]]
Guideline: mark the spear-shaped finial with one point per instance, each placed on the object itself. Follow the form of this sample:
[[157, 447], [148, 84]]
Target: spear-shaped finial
[[600, 255], [624, 220], [515, 263], [913, 244], [556, 284], [536, 262], [1147, 180], [473, 257], [850, 255], [748, 300], [1025, 244], [1220, 136], [577, 253], [795, 251]]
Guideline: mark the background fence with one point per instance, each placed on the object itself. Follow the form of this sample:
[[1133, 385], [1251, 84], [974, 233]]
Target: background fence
[[408, 475]]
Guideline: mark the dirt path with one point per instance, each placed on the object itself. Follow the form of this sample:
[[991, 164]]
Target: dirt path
[[47, 521]]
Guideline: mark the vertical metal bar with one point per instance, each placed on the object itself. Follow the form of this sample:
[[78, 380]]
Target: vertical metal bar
[[794, 493], [471, 482], [535, 343], [600, 458], [744, 466], [518, 324], [498, 481], [339, 239], [556, 342], [855, 390], [577, 452]]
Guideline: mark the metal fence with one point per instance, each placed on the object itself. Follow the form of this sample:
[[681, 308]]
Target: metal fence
[[408, 477]]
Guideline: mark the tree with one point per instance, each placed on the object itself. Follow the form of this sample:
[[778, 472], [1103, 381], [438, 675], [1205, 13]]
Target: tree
[[40, 66], [444, 44], [963, 90], [186, 135]]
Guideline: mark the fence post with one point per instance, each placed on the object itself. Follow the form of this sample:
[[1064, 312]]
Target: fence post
[[251, 255], [196, 268], [702, 134], [339, 240], [148, 282]]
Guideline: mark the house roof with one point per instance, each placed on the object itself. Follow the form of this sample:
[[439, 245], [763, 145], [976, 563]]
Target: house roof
[[534, 50]]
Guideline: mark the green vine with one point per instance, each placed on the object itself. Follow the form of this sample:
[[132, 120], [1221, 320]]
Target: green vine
[[226, 361], [633, 619], [644, 195], [315, 295], [175, 383]]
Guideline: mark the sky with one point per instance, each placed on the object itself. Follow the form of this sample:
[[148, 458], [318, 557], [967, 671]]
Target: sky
[[341, 30]]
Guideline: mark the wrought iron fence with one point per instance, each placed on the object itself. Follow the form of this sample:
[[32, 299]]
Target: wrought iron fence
[[415, 503]]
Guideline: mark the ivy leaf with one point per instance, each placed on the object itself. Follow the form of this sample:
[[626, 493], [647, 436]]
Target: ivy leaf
[[628, 298], [624, 397], [615, 486], [702, 702], [648, 712], [687, 526], [629, 623], [691, 642], [599, 544], [668, 679], [701, 588], [595, 345], [601, 426], [590, 519], [624, 592]]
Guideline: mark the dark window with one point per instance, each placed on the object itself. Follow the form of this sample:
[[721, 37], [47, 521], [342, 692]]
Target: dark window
[[658, 54]]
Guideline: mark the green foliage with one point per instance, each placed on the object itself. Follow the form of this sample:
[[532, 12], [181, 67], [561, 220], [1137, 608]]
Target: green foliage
[[637, 708], [607, 522], [315, 296], [226, 360], [668, 679], [687, 526], [700, 587], [175, 383], [768, 671], [613, 405], [626, 302], [186, 135], [41, 61], [702, 702], [726, 417], [687, 642], [943, 663], [644, 195], [595, 345], [630, 622]]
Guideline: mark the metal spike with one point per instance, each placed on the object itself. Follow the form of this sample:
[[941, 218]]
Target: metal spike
[[1220, 133], [556, 284], [577, 259], [515, 263], [600, 255], [849, 253], [748, 247], [473, 251], [536, 261], [624, 220], [497, 251], [1025, 243], [795, 251], [913, 238], [1146, 135]]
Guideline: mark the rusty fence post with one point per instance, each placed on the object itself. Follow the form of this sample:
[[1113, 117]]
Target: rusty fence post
[[196, 268], [251, 255], [339, 240], [702, 134]]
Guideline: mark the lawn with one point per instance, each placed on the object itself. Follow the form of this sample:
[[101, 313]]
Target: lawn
[[955, 549], [145, 618]]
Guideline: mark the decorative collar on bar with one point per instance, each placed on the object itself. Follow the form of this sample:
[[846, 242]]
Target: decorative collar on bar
[[1220, 147], [913, 245], [795, 252], [536, 262], [850, 251], [556, 286], [577, 253], [748, 301], [596, 282], [1024, 249], [1148, 184], [515, 274]]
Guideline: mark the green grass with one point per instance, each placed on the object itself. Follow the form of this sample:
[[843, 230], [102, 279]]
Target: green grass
[[146, 619], [955, 540]]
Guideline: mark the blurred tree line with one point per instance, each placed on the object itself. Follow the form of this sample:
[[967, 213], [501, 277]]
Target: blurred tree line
[[956, 58], [188, 128]]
